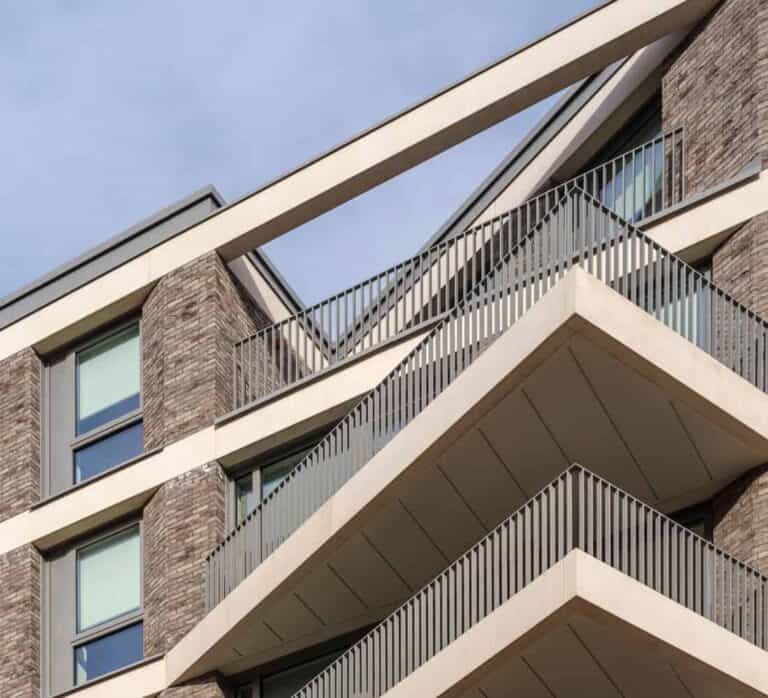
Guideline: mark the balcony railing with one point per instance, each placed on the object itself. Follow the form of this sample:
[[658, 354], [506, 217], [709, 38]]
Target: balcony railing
[[421, 290], [580, 511], [578, 232]]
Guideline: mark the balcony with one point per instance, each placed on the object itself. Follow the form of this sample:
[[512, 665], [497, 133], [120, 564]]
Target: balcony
[[582, 375], [579, 511], [417, 293], [577, 232]]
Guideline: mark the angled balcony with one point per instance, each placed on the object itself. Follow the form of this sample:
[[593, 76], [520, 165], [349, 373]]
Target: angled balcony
[[476, 595], [587, 343], [577, 232], [414, 295]]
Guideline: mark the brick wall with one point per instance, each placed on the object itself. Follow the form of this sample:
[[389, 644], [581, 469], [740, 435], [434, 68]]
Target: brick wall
[[207, 687], [19, 489], [741, 519], [19, 433], [190, 321], [740, 266], [20, 623], [716, 85], [183, 522]]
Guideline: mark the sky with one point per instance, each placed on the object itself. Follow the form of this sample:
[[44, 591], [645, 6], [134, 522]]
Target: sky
[[111, 111]]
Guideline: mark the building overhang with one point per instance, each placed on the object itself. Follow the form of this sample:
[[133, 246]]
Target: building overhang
[[585, 629], [586, 377]]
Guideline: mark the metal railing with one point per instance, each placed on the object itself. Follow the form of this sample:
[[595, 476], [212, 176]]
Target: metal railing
[[579, 510], [419, 291], [578, 232]]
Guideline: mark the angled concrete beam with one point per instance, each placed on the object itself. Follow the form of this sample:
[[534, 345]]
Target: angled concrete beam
[[612, 30]]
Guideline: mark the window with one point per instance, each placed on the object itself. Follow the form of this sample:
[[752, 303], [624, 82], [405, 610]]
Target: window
[[697, 518], [633, 186], [262, 479], [689, 311], [108, 579], [108, 379], [257, 479], [93, 419], [284, 683], [106, 654], [94, 608]]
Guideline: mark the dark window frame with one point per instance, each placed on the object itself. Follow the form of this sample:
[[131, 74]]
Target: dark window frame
[[701, 512], [124, 619], [63, 406], [59, 611], [256, 465]]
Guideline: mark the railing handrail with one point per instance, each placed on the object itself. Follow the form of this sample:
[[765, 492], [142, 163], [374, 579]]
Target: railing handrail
[[349, 323], [242, 524], [525, 272], [571, 485], [473, 229]]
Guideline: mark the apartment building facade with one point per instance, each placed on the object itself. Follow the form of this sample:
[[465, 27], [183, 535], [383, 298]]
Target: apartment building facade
[[528, 460]]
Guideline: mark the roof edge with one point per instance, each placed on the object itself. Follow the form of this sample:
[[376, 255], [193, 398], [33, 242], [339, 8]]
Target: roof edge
[[279, 284], [206, 192], [13, 307]]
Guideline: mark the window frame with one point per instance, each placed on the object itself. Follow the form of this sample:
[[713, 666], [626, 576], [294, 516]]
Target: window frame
[[326, 654], [59, 646], [69, 375], [118, 423], [124, 620], [701, 512], [256, 465], [112, 625]]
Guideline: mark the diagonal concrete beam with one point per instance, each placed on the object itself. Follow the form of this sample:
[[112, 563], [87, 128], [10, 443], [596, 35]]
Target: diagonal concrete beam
[[612, 30]]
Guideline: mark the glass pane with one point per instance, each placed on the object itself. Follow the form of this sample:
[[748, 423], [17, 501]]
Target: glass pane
[[108, 379], [109, 452], [286, 683], [109, 653], [699, 527], [243, 496], [274, 474], [108, 578]]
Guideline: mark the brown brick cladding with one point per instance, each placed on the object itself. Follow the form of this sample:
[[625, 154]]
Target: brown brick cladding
[[19, 489], [740, 266], [716, 86], [182, 523], [19, 433], [207, 687], [20, 623], [189, 323], [741, 519]]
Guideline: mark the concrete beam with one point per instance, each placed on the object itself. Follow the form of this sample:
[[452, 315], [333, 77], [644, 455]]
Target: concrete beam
[[612, 30]]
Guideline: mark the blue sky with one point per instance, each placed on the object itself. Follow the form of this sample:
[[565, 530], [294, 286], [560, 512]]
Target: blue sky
[[112, 111]]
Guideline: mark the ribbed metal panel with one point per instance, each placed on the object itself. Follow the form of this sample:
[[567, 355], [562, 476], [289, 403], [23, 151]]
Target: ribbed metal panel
[[579, 510]]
